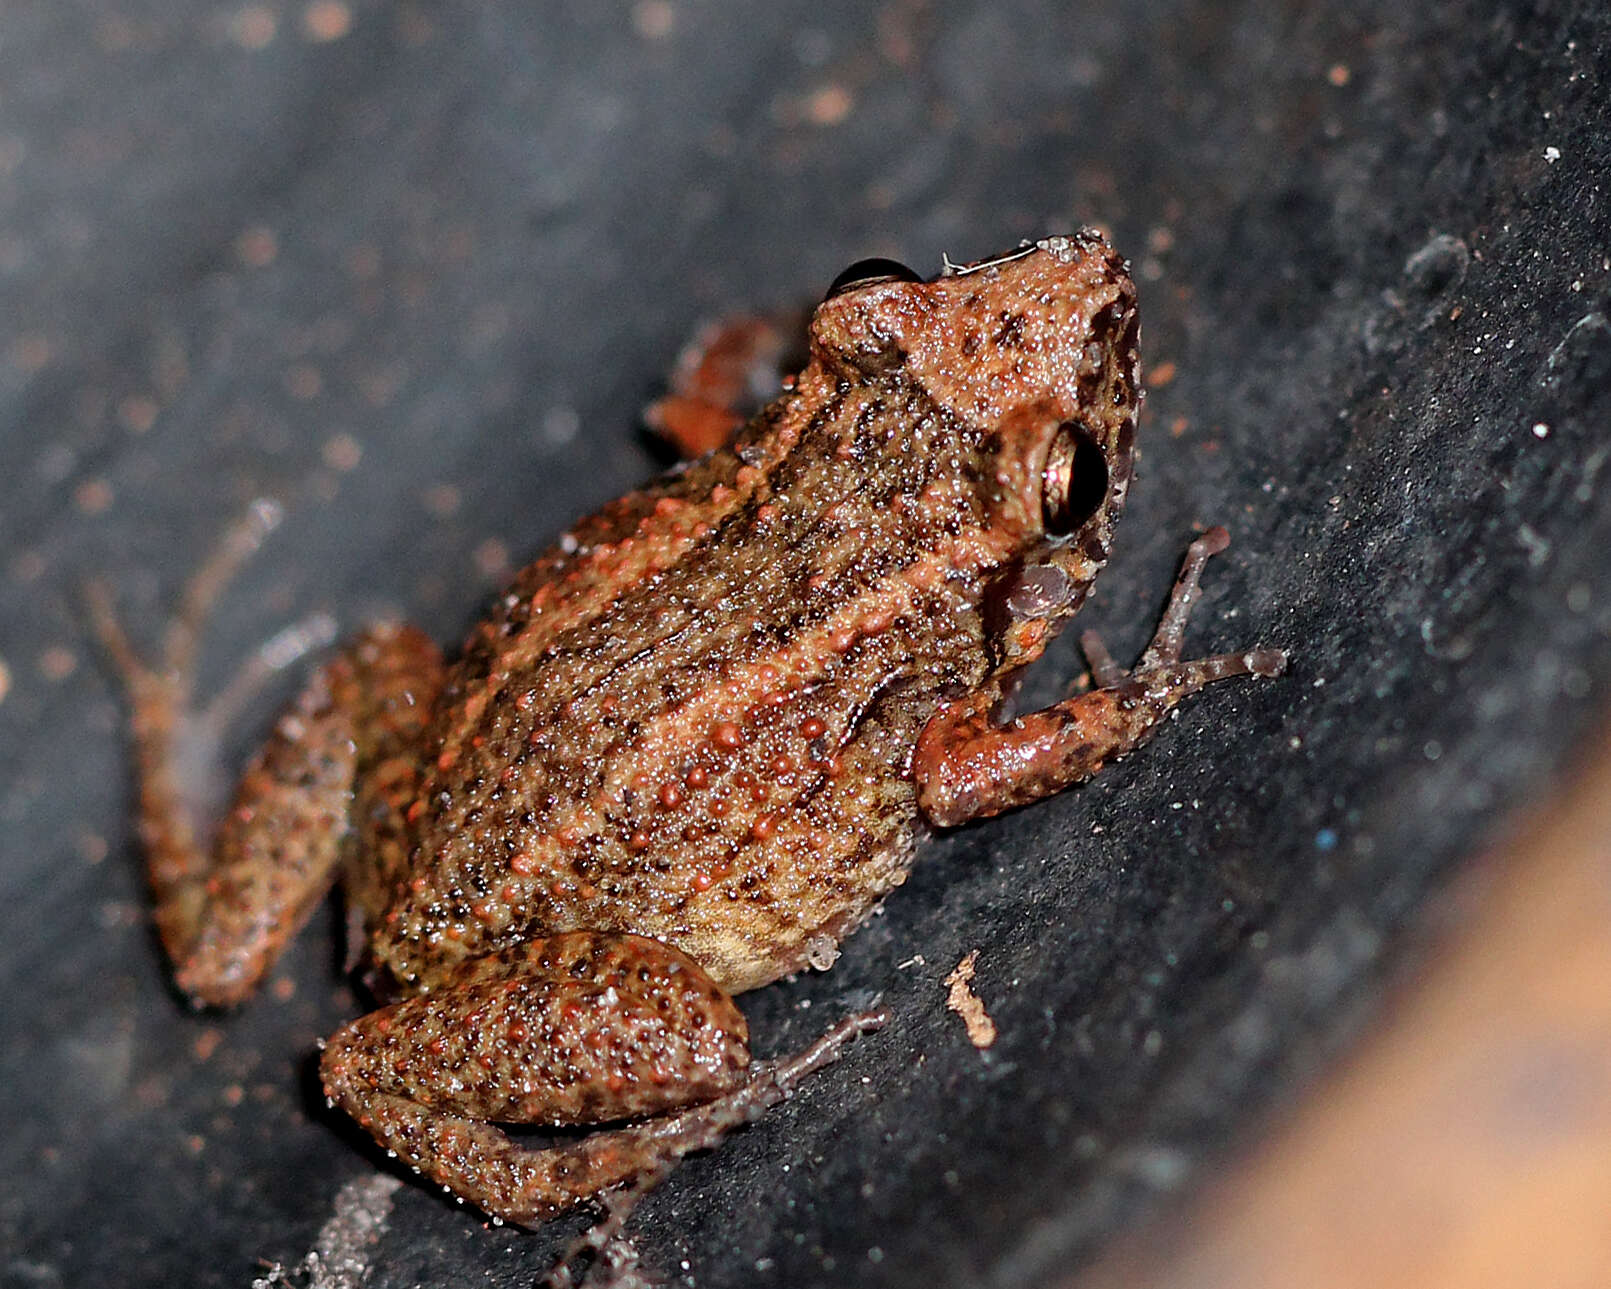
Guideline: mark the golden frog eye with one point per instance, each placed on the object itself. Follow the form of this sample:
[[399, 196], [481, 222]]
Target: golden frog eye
[[1075, 480], [866, 272]]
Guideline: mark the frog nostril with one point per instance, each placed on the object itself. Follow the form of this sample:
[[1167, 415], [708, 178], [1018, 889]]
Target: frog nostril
[[867, 272], [1075, 480]]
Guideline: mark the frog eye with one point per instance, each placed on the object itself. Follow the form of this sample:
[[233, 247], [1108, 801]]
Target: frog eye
[[1075, 480], [867, 272]]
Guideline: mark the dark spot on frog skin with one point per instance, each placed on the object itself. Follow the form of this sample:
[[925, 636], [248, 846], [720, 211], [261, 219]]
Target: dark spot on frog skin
[[1010, 335]]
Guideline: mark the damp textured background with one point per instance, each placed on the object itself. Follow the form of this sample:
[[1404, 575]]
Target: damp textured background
[[414, 269]]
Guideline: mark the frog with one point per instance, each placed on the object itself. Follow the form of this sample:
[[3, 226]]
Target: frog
[[695, 743]]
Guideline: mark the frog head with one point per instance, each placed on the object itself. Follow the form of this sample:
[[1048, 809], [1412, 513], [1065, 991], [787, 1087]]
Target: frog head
[[1031, 355]]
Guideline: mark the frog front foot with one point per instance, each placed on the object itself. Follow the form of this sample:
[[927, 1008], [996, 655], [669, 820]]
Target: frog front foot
[[969, 766], [576, 1029]]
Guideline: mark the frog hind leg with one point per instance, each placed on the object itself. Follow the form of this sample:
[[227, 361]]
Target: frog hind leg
[[579, 1028], [969, 766], [224, 911]]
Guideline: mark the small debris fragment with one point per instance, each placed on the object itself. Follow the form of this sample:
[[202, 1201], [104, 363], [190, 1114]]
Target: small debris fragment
[[492, 558], [341, 452], [654, 19], [442, 500], [326, 20], [829, 105], [253, 27], [303, 382], [93, 497], [92, 848], [965, 1003], [57, 663], [207, 1043], [137, 412], [257, 247]]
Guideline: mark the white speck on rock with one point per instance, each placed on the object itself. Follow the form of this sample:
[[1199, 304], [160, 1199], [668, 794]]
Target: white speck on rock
[[339, 1258]]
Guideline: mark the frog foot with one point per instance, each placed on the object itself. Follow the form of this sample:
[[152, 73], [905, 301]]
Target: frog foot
[[228, 898], [1161, 660], [701, 1128], [968, 765], [171, 680]]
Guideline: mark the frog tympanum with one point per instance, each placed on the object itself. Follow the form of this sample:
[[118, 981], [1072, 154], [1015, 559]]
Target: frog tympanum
[[692, 745]]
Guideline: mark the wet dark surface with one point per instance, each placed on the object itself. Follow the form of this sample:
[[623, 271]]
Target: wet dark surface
[[414, 270]]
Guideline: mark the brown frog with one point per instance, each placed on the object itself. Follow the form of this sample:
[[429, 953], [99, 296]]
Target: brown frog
[[693, 744]]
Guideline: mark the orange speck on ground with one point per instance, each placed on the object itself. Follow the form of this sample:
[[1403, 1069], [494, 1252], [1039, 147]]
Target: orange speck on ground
[[253, 27], [257, 247], [829, 105], [93, 497], [326, 20], [57, 662]]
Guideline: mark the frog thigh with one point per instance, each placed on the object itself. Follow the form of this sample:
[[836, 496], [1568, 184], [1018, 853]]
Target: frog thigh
[[582, 1027], [226, 913]]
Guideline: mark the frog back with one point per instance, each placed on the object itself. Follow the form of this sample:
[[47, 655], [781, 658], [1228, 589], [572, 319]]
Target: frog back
[[692, 718]]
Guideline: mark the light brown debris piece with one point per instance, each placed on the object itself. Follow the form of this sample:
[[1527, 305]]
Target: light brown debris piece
[[965, 1003]]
